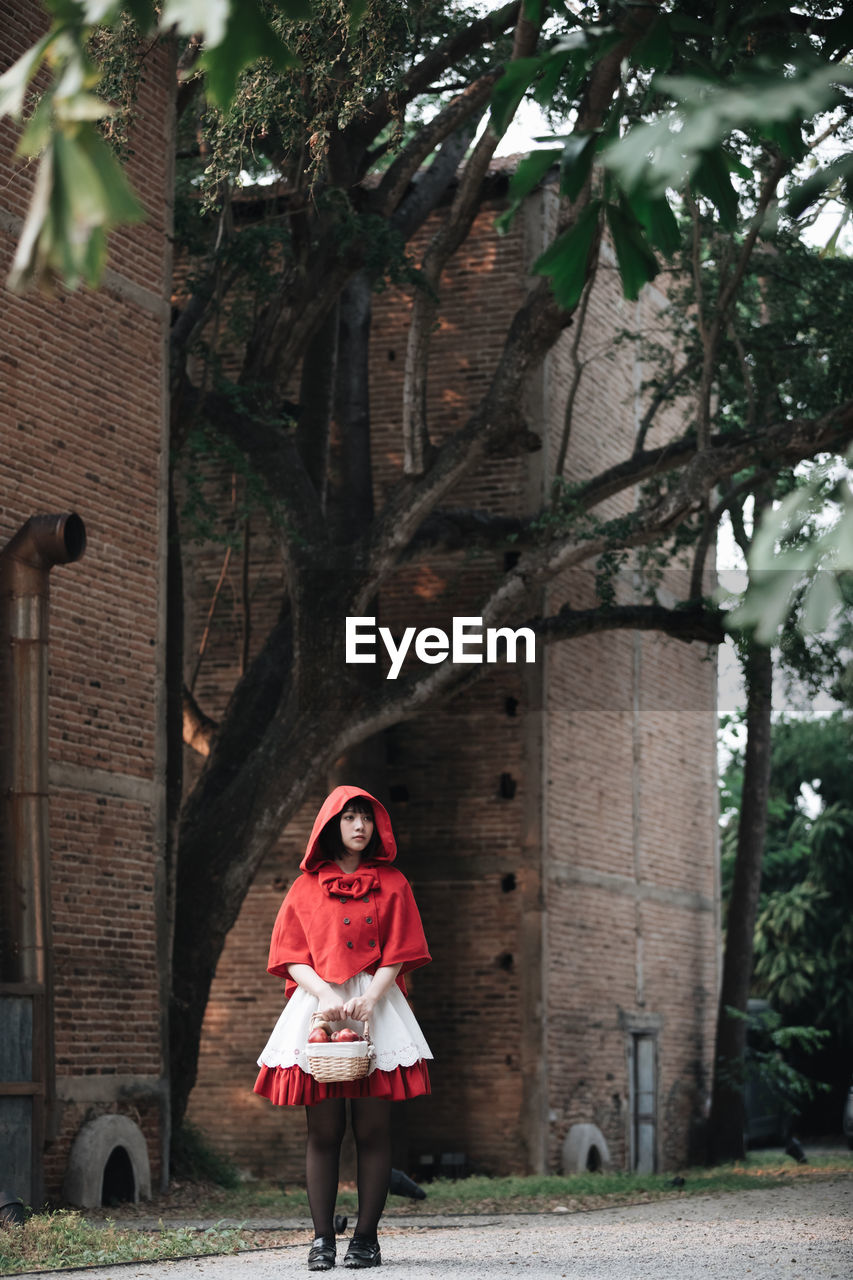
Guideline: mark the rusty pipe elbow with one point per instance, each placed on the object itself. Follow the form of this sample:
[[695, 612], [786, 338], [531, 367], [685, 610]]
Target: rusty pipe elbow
[[45, 541]]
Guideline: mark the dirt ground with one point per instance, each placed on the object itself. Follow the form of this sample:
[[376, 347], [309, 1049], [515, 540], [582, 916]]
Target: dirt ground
[[802, 1231]]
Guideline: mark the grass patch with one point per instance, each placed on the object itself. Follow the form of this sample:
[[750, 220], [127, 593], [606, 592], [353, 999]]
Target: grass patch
[[50, 1241], [269, 1200]]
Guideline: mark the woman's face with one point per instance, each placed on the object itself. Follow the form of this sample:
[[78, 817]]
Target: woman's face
[[356, 830]]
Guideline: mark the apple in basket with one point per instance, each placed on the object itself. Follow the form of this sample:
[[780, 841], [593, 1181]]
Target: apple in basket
[[345, 1036], [318, 1036]]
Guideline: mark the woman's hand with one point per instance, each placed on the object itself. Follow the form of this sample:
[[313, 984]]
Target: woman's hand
[[330, 1008], [360, 1007], [328, 1001]]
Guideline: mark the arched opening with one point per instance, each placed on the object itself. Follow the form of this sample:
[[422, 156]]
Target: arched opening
[[593, 1160], [119, 1179], [108, 1164]]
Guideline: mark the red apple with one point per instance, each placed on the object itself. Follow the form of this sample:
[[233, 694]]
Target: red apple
[[347, 1035], [319, 1036]]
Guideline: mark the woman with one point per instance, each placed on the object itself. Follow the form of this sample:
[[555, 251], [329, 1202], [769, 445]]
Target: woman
[[345, 934]]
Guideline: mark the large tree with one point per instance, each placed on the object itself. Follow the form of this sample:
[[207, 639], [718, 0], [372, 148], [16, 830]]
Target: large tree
[[371, 133]]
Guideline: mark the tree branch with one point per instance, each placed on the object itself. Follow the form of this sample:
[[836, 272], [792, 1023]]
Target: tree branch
[[447, 239], [406, 698], [445, 123], [199, 729], [578, 367], [694, 621], [711, 334], [429, 185], [709, 527], [657, 400], [534, 329]]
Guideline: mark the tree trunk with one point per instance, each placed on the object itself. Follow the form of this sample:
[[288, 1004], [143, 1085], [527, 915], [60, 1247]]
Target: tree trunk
[[726, 1136]]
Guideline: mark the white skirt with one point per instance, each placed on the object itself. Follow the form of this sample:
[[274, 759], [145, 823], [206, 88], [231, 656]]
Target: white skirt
[[397, 1039]]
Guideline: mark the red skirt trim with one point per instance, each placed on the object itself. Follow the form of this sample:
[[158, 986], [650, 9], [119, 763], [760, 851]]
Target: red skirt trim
[[293, 1087]]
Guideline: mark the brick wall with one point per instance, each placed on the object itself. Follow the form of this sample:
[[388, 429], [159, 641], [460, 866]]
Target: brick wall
[[82, 424], [565, 917], [630, 831]]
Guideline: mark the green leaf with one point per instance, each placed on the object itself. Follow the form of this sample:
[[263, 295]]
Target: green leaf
[[25, 267], [637, 264], [356, 12], [118, 204], [80, 193], [713, 178], [38, 130], [207, 18], [657, 219], [84, 106], [510, 89], [765, 606], [655, 50], [248, 36], [821, 599], [665, 152], [100, 12], [15, 82], [530, 172], [788, 136], [576, 163], [566, 261], [551, 76], [814, 187]]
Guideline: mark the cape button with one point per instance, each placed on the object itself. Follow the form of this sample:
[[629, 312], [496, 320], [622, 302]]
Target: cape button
[[369, 920], [349, 943], [366, 898], [372, 942], [346, 919], [341, 899]]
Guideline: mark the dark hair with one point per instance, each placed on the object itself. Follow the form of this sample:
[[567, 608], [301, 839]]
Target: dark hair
[[330, 836]]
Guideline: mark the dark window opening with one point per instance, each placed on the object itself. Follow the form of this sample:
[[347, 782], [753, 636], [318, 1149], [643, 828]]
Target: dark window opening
[[508, 883], [119, 1184], [507, 786], [511, 706], [593, 1160], [506, 961]]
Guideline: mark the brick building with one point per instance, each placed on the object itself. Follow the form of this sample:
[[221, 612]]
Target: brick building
[[82, 426], [557, 821]]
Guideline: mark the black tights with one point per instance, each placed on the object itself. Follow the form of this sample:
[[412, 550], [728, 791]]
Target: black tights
[[371, 1126]]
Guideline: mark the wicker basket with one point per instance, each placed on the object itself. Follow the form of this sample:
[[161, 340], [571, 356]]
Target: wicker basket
[[337, 1062]]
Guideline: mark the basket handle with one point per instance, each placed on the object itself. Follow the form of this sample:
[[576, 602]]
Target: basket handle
[[318, 1018]]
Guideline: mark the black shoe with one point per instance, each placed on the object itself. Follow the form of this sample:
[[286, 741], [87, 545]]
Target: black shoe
[[362, 1253], [321, 1255]]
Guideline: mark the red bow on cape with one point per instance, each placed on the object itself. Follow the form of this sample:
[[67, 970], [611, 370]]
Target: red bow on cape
[[339, 885]]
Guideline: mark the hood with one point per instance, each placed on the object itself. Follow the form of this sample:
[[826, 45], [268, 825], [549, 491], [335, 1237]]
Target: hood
[[333, 805]]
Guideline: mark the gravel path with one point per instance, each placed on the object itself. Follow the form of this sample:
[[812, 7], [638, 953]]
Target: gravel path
[[798, 1232]]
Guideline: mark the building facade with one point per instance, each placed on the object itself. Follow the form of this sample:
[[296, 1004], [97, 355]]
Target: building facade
[[83, 426], [557, 820]]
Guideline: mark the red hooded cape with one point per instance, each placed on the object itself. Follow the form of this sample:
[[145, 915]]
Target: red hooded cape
[[341, 924]]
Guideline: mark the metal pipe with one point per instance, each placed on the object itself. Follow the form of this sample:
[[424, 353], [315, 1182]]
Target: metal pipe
[[25, 565]]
